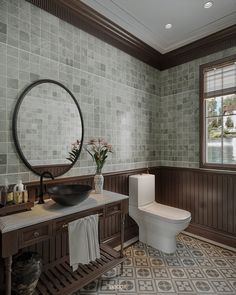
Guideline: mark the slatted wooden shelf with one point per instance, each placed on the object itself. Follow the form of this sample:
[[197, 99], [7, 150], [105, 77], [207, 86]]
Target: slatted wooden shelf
[[58, 277]]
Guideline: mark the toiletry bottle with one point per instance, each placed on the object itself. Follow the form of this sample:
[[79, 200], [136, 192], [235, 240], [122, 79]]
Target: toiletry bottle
[[25, 195], [20, 186], [4, 194], [10, 198], [10, 195], [18, 192]]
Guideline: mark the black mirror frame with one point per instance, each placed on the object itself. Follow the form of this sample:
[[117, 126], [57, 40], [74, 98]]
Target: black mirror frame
[[14, 127]]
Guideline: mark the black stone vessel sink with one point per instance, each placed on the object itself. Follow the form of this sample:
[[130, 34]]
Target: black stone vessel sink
[[69, 194]]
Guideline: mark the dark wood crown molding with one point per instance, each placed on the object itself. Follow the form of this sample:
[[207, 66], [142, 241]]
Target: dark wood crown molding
[[218, 41], [87, 19]]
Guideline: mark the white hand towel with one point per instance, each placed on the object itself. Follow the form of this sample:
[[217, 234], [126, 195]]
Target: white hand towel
[[83, 241], [93, 244]]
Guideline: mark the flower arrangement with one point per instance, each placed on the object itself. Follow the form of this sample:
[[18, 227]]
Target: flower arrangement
[[98, 150], [74, 151]]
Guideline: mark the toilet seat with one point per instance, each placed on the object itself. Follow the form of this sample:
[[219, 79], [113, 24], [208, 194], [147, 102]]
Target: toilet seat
[[166, 213]]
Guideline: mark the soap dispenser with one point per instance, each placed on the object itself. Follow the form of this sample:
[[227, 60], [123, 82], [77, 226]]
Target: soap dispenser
[[18, 192]]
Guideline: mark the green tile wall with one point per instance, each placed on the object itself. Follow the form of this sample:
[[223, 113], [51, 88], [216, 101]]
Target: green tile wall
[[179, 115], [150, 117], [118, 94]]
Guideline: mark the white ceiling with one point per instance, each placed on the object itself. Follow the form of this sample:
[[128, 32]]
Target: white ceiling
[[146, 19]]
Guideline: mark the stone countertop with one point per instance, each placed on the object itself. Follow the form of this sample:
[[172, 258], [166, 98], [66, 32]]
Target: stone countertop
[[51, 210]]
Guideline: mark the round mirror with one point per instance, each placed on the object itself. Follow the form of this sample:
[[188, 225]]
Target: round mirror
[[47, 125]]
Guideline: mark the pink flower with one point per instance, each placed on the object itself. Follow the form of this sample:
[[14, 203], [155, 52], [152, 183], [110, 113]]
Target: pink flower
[[92, 141], [109, 147], [98, 151]]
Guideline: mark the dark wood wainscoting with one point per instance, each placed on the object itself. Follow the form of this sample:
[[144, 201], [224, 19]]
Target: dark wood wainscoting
[[209, 195]]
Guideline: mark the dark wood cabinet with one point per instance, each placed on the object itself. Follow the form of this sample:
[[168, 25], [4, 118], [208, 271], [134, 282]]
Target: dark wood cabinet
[[50, 240]]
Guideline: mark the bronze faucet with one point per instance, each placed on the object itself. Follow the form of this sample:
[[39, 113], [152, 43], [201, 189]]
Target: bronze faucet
[[41, 187]]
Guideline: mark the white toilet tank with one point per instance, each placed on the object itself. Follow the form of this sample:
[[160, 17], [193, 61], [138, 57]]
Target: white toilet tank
[[141, 189]]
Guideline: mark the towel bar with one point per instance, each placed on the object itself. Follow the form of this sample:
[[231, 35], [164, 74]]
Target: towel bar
[[65, 225]]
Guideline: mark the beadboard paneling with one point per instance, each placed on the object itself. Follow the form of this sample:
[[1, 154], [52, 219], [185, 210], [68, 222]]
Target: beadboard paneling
[[209, 195]]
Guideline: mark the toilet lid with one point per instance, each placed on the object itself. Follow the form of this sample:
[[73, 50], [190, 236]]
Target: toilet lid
[[170, 214]]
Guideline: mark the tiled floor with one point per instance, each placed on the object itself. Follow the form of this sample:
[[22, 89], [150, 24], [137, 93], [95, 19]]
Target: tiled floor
[[197, 267]]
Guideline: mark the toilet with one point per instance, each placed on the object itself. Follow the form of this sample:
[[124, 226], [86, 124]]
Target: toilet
[[158, 224]]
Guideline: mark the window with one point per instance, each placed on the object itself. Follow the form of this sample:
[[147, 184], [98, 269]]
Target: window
[[218, 114]]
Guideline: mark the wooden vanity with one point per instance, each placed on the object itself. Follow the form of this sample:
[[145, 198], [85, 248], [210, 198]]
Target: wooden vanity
[[44, 229]]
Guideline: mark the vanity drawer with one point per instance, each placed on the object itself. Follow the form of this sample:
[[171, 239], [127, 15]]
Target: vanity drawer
[[34, 234], [114, 208]]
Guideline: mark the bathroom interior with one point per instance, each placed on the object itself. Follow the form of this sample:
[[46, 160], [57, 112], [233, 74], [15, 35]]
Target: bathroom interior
[[154, 88]]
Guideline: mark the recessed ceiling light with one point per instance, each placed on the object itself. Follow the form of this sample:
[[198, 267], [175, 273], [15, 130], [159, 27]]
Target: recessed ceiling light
[[168, 26], [208, 4]]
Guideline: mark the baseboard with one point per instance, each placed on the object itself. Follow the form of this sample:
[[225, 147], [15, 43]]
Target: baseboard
[[209, 241], [127, 243], [213, 235], [130, 233]]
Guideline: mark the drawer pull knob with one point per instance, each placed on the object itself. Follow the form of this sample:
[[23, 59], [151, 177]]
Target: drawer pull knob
[[65, 225], [36, 234]]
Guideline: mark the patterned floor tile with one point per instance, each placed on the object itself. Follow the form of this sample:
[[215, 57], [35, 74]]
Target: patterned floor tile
[[126, 286], [195, 268], [108, 285], [173, 261], [180, 245], [146, 286], [140, 261], [143, 273], [219, 262], [222, 286], [227, 253], [195, 273], [232, 261], [184, 286], [182, 253], [212, 273], [154, 252], [203, 287], [229, 273], [205, 245], [129, 262], [160, 272], [177, 273], [128, 272], [128, 252], [197, 253], [165, 286], [157, 262], [112, 273], [204, 262], [189, 262], [139, 253], [211, 253], [233, 284]]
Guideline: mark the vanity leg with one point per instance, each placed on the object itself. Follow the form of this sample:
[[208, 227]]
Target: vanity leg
[[122, 232], [8, 263]]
